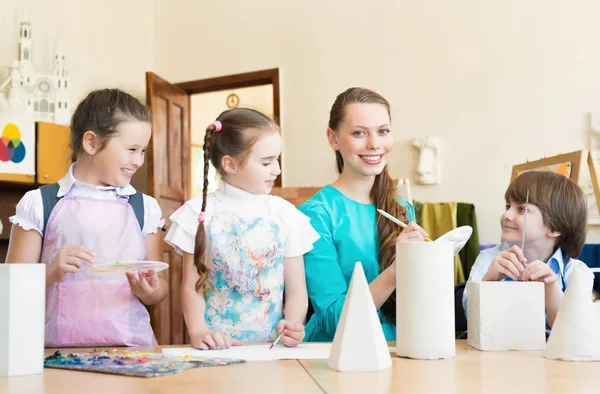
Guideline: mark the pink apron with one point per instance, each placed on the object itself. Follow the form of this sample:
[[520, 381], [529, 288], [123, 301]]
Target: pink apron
[[88, 309]]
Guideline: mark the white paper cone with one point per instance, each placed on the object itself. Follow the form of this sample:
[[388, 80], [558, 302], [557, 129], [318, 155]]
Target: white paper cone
[[359, 344], [575, 334]]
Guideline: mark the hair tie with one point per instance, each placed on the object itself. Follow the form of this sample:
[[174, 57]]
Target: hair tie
[[218, 125], [201, 217]]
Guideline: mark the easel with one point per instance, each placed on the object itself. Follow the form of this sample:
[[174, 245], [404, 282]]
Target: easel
[[568, 164]]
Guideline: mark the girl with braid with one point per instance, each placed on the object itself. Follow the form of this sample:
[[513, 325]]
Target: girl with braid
[[242, 248], [344, 214]]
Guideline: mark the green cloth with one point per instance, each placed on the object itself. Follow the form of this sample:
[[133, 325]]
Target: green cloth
[[465, 216], [348, 233]]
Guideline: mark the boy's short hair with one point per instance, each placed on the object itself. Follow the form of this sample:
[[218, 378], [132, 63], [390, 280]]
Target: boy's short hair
[[562, 203]]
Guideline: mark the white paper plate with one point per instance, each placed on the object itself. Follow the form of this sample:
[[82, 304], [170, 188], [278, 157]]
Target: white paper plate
[[459, 237], [130, 266]]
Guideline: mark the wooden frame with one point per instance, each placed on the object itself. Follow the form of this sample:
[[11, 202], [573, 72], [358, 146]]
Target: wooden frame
[[575, 160], [237, 81]]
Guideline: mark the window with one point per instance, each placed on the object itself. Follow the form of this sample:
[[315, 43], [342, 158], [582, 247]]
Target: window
[[26, 54], [44, 106], [59, 105], [51, 107], [59, 83]]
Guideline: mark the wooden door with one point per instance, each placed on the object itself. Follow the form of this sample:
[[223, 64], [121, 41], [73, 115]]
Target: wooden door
[[169, 182]]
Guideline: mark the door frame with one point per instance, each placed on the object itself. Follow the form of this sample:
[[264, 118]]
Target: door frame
[[237, 81]]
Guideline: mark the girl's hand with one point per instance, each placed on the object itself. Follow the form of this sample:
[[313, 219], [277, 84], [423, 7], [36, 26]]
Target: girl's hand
[[213, 340], [68, 260], [143, 285], [412, 233], [293, 333], [540, 272], [509, 263]]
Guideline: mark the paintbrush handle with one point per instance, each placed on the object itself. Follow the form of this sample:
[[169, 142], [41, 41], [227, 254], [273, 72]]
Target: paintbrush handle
[[296, 320], [397, 221]]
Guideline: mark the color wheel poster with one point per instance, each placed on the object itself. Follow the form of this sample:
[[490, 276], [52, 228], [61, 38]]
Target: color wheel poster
[[17, 144]]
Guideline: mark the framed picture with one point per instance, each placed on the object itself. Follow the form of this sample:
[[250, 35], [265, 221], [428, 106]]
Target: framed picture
[[197, 154], [567, 164], [573, 166]]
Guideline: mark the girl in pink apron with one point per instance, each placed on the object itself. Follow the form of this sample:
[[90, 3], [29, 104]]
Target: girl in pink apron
[[93, 215], [243, 249]]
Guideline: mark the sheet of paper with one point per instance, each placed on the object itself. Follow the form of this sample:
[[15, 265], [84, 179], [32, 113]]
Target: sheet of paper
[[304, 351]]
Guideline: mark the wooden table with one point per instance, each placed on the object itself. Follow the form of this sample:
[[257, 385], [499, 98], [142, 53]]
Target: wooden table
[[471, 371]]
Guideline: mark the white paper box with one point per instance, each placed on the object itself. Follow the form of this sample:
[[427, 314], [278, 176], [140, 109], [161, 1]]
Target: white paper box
[[22, 315], [359, 344], [506, 315], [425, 300]]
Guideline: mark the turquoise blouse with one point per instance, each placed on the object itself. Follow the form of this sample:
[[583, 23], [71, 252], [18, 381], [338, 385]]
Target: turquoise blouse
[[348, 234]]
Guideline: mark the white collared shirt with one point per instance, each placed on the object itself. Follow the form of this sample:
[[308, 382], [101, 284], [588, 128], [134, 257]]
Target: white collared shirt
[[30, 209], [297, 235]]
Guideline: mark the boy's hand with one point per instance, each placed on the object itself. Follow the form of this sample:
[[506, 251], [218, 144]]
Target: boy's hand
[[540, 272], [143, 285], [509, 263], [293, 333], [213, 340]]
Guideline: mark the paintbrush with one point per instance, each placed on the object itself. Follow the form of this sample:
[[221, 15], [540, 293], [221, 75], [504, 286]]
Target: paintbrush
[[296, 320], [524, 227], [398, 222], [524, 223]]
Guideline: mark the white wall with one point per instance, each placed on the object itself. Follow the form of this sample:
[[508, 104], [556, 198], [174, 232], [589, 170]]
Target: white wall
[[107, 44], [499, 81], [205, 107]]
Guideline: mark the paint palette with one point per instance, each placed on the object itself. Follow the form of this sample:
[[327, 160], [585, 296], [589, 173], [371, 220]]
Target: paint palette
[[459, 237], [128, 363], [129, 266]]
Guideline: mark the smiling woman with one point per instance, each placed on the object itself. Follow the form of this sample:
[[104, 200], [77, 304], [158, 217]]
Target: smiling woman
[[344, 214]]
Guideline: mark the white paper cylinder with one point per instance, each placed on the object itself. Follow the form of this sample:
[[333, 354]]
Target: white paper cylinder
[[22, 315], [425, 300]]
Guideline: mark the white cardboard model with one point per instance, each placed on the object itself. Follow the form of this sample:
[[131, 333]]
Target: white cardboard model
[[575, 334], [359, 344], [22, 303], [425, 300], [506, 315]]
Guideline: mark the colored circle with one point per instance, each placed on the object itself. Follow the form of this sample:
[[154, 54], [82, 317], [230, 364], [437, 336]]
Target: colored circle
[[11, 131], [4, 153], [11, 146], [19, 153]]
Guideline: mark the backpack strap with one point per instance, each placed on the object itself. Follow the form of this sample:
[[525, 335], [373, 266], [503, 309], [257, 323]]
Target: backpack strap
[[137, 203], [50, 198]]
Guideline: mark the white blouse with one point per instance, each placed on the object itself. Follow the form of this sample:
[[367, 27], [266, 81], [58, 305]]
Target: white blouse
[[30, 209], [297, 233]]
